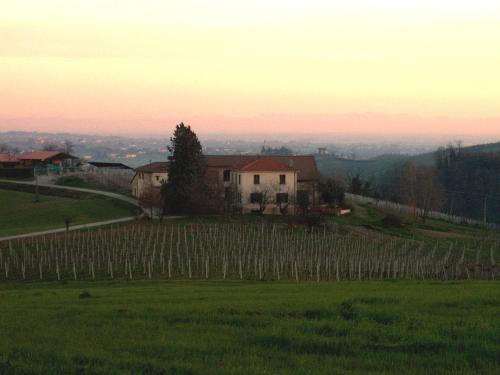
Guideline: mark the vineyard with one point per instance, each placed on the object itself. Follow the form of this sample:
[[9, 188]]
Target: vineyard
[[240, 252]]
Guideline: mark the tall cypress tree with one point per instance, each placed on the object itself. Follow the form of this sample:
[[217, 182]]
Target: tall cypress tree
[[185, 190]]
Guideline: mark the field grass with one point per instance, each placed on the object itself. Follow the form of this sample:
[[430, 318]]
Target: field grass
[[250, 328], [93, 182], [20, 214], [370, 217]]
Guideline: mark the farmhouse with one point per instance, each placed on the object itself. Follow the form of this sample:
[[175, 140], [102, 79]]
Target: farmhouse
[[8, 161], [308, 175], [269, 184], [149, 178], [48, 159], [263, 185]]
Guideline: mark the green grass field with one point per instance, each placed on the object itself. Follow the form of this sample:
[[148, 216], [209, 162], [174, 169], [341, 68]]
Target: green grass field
[[20, 214], [250, 328]]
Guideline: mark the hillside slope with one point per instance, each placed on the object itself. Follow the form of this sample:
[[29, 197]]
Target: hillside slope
[[330, 165]]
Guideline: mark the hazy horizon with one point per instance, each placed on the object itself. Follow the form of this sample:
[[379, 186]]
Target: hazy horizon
[[364, 67]]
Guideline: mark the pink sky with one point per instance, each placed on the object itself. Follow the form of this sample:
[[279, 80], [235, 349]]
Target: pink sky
[[251, 67]]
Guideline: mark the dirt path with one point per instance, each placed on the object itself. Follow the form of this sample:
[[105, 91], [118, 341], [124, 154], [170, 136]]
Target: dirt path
[[75, 227]]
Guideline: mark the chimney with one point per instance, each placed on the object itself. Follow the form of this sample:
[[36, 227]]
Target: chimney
[[290, 163]]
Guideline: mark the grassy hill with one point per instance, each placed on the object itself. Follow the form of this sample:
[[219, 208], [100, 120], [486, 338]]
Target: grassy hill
[[223, 326], [20, 214], [202, 327]]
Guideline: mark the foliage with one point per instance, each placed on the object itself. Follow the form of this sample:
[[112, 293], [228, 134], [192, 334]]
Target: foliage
[[71, 180], [278, 151], [393, 221], [473, 182], [303, 201], [332, 192], [186, 191], [420, 188]]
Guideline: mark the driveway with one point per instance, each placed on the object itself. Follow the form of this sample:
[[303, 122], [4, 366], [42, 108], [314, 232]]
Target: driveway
[[75, 227]]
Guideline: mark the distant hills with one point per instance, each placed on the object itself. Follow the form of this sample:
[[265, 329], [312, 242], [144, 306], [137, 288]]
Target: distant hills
[[376, 167]]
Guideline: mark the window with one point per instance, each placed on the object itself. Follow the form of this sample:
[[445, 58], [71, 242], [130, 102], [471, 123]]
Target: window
[[282, 179], [256, 179], [157, 178], [256, 198], [227, 175], [282, 198]]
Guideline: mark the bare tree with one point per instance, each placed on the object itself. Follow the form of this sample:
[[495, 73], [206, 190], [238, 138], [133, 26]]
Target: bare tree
[[409, 186], [150, 199], [266, 194], [429, 192]]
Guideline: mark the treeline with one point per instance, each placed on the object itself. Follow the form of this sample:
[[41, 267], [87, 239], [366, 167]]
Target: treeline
[[278, 151], [472, 182], [461, 183]]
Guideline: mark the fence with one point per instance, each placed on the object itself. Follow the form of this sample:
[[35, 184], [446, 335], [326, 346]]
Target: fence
[[113, 178], [402, 209]]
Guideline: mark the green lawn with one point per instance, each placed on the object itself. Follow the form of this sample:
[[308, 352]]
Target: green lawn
[[250, 328], [20, 214]]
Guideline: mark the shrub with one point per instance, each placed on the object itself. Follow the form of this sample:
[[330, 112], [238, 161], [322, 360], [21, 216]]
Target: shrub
[[74, 181], [347, 311], [393, 221], [314, 221], [84, 295]]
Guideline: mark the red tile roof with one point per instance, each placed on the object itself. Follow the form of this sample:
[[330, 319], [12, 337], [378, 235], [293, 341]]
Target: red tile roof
[[304, 164], [8, 158], [155, 167], [44, 155], [266, 164]]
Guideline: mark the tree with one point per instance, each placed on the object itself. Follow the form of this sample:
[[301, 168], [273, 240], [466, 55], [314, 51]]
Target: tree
[[420, 188], [150, 199], [429, 191], [50, 147], [332, 192], [409, 186], [356, 186], [303, 201], [278, 151], [186, 191]]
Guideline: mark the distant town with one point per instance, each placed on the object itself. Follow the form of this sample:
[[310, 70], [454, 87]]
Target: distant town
[[136, 151]]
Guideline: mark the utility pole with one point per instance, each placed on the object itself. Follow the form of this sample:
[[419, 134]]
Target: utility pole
[[452, 203], [485, 217], [37, 197]]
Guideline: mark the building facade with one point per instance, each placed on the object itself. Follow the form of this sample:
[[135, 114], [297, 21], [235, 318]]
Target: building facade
[[149, 179], [247, 183]]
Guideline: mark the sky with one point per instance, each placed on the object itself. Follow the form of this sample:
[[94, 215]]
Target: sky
[[260, 66]]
